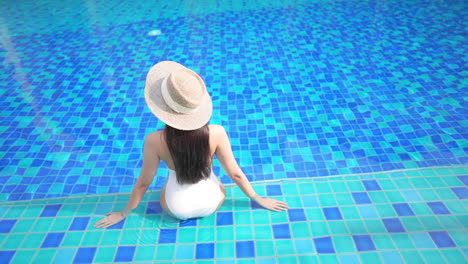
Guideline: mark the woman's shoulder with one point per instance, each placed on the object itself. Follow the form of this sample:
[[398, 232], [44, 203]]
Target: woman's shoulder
[[216, 130], [154, 138]]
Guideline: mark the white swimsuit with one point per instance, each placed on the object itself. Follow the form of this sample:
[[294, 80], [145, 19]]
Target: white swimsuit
[[193, 200]]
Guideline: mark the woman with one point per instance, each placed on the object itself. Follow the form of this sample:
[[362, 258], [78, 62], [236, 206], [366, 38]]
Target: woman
[[178, 97]]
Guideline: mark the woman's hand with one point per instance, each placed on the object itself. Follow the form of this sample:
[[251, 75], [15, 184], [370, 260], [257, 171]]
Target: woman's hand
[[271, 204], [110, 219]]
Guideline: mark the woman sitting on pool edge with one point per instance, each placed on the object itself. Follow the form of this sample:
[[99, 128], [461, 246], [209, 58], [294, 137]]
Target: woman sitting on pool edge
[[178, 97]]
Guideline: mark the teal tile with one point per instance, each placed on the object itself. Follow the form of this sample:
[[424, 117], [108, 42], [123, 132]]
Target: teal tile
[[343, 244], [385, 210], [165, 252], [375, 226], [383, 242], [419, 183], [387, 184], [106, 255], [314, 214], [307, 188], [109, 237], [285, 247], [446, 194], [395, 197], [432, 256], [294, 201], [463, 219], [338, 227], [428, 195], [264, 248], [73, 239], [378, 197], [92, 239], [456, 207], [69, 210], [262, 232], [370, 257], [32, 211], [142, 253], [289, 189], [44, 256], [43, 224], [403, 183], [14, 212], [319, 229], [207, 221], [350, 212], [356, 227], [329, 259], [23, 256], [133, 221], [412, 224], [279, 217], [327, 200], [261, 217], [242, 218], [288, 259], [224, 233], [436, 181], [33, 240], [459, 237], [206, 234], [402, 241], [454, 255], [344, 199], [453, 181], [323, 187], [339, 186], [309, 259], [421, 208], [430, 223], [13, 241], [61, 224], [355, 186], [411, 256], [299, 230], [449, 222], [243, 232], [23, 226], [225, 250]]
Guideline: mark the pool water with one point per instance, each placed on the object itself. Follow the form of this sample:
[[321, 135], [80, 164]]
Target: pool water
[[367, 94]]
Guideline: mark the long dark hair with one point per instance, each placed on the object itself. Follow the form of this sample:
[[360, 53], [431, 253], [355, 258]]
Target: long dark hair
[[190, 151]]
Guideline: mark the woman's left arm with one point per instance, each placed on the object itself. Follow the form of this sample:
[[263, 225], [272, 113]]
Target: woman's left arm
[[150, 165]]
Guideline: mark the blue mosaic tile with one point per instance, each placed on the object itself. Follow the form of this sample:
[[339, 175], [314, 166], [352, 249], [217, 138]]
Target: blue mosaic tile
[[52, 240], [332, 213], [274, 190], [438, 208], [124, 254], [371, 185], [224, 218], [51, 210], [296, 215], [442, 239], [167, 236], [281, 231], [324, 245], [7, 225], [79, 223], [361, 198], [393, 225], [245, 249], [84, 255], [403, 209], [461, 192], [205, 251], [363, 242]]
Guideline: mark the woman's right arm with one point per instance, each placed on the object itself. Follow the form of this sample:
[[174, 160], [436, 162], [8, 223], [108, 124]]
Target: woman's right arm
[[226, 158], [150, 165]]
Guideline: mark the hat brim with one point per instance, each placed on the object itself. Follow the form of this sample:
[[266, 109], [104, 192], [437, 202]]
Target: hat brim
[[162, 111]]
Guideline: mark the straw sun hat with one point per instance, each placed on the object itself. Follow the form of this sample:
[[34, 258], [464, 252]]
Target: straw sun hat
[[177, 96]]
